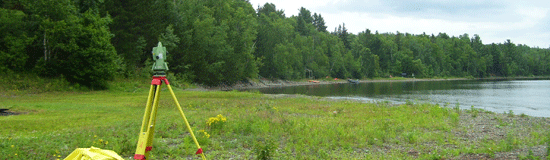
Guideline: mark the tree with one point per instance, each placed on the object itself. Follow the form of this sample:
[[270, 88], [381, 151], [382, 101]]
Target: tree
[[216, 42], [303, 22], [137, 25], [79, 48], [169, 39], [269, 8], [273, 30], [319, 23], [14, 40], [344, 36]]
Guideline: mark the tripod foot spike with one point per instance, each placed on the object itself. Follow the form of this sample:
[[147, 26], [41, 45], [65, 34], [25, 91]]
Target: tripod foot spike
[[139, 156], [199, 151]]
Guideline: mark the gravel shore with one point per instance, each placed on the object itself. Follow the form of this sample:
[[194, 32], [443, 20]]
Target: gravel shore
[[479, 125]]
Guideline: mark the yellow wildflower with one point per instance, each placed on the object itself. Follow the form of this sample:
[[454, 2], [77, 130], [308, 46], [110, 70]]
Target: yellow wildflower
[[205, 134], [106, 142], [12, 146]]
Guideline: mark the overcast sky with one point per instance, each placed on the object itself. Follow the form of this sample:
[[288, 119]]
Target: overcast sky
[[523, 22]]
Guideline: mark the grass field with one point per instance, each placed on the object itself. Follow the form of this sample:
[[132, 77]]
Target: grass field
[[53, 124]]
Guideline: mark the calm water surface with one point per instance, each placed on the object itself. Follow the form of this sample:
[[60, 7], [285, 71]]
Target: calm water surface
[[531, 97]]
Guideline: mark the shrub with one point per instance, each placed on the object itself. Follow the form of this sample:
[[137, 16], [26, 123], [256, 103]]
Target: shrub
[[264, 148]]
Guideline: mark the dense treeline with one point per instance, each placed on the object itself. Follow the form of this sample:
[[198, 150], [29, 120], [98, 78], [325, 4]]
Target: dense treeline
[[225, 41]]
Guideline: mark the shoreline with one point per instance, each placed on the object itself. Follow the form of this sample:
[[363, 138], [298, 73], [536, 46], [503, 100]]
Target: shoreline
[[266, 83], [284, 83]]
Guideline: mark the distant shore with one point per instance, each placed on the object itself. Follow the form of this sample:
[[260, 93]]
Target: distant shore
[[267, 83]]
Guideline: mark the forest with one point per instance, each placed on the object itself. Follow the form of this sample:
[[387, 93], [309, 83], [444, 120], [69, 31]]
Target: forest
[[222, 42]]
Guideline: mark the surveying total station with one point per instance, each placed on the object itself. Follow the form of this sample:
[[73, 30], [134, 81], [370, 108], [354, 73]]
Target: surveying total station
[[145, 142]]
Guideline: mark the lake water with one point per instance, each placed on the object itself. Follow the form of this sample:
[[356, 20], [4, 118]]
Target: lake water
[[531, 97]]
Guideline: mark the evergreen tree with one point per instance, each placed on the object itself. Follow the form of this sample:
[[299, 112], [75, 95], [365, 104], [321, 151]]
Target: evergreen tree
[[303, 21], [319, 23]]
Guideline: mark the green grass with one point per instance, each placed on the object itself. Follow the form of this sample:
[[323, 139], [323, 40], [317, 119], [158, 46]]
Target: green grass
[[257, 126]]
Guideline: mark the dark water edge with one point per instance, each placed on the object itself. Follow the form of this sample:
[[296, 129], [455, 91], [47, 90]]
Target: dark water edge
[[530, 96]]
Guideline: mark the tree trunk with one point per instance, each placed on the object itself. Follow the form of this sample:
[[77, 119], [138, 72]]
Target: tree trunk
[[46, 52]]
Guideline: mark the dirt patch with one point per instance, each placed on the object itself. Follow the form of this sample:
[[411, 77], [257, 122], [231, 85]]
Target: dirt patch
[[5, 112]]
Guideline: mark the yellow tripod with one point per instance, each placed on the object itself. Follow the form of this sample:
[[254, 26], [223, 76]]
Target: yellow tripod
[[145, 142]]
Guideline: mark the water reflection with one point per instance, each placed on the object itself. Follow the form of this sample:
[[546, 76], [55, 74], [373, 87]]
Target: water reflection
[[520, 96]]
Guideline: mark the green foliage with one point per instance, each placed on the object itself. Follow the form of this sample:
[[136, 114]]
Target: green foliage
[[511, 114], [58, 43], [216, 123], [13, 40], [26, 83], [474, 111], [216, 42], [224, 42], [456, 108], [510, 142], [530, 156], [137, 26], [169, 39], [264, 148], [411, 137], [79, 48], [455, 118]]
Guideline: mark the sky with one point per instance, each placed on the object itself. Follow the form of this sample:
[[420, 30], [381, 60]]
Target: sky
[[523, 22]]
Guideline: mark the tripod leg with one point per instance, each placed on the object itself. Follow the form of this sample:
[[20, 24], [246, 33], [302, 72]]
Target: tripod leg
[[147, 113], [147, 128], [153, 121], [199, 151]]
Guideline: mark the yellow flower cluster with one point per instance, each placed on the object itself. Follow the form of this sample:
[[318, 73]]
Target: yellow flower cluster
[[100, 141], [215, 120], [204, 133]]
